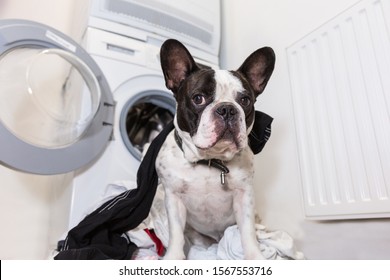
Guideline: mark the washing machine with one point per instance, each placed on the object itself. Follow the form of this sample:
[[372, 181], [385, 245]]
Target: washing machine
[[92, 109]]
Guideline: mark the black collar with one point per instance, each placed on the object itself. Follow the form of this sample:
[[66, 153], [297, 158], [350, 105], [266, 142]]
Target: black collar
[[216, 163]]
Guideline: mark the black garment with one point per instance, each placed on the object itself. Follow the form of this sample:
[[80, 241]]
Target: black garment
[[100, 235], [261, 132]]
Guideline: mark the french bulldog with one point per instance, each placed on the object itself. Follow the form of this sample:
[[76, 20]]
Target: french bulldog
[[205, 164]]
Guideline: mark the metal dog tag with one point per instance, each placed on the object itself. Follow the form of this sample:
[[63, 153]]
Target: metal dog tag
[[223, 178]]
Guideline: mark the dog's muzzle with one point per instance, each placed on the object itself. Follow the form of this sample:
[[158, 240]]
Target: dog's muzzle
[[226, 111]]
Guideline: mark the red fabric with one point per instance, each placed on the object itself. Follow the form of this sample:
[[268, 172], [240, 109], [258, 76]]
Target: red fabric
[[159, 246]]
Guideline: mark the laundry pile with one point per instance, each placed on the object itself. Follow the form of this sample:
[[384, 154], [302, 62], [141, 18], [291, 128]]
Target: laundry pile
[[152, 235], [274, 245]]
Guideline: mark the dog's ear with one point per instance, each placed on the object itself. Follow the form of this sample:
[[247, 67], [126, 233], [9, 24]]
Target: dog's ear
[[258, 68], [177, 63]]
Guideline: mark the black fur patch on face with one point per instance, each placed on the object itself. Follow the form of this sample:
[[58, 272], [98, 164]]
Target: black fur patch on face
[[202, 84], [249, 93]]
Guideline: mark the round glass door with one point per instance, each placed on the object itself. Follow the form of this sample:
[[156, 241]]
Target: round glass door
[[56, 107], [143, 117], [48, 96]]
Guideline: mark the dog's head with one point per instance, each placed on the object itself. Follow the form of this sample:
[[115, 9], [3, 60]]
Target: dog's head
[[215, 108]]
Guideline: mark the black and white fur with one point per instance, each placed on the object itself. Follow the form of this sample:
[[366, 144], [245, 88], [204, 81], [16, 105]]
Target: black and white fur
[[215, 114]]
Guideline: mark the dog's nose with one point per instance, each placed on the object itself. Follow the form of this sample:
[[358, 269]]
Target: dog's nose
[[227, 111]]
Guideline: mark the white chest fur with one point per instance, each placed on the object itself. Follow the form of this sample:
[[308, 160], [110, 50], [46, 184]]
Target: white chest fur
[[208, 203]]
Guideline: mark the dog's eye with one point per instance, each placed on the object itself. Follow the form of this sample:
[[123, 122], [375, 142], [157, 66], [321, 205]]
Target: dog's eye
[[199, 99], [245, 101]]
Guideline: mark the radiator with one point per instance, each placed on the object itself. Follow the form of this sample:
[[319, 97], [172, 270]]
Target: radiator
[[340, 86]]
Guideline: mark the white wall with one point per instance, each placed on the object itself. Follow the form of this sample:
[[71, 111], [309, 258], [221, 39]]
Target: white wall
[[34, 209], [67, 16], [251, 24]]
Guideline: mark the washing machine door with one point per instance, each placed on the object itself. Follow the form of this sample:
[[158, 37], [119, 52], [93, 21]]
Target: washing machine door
[[56, 108]]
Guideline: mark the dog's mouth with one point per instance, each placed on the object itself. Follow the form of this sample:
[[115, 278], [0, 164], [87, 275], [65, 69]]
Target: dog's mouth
[[227, 138]]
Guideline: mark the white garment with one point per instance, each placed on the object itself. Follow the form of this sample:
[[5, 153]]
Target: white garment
[[147, 248], [273, 245]]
